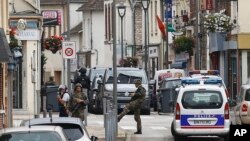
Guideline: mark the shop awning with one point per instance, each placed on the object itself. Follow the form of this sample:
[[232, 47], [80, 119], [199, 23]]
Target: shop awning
[[5, 53]]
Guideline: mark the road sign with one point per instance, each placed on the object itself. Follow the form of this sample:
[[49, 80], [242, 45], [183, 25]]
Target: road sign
[[69, 49]]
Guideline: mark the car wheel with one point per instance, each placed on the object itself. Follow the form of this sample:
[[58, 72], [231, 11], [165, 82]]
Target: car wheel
[[226, 137], [172, 129], [179, 138]]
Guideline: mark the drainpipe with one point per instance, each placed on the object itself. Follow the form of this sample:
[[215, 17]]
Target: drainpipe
[[91, 34]]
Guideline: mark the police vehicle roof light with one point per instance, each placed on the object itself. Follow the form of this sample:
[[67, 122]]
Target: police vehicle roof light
[[213, 72], [190, 81], [213, 81]]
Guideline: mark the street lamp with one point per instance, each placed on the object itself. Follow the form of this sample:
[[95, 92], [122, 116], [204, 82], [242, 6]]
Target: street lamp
[[145, 5], [121, 10]]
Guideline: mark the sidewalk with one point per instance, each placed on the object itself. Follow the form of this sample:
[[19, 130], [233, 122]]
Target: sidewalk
[[93, 129]]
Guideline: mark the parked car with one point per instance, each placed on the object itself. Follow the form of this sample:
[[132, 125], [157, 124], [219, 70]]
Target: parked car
[[73, 127], [33, 133], [241, 110], [202, 109]]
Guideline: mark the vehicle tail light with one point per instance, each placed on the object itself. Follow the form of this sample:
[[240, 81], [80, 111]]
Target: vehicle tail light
[[226, 112], [244, 107], [177, 111]]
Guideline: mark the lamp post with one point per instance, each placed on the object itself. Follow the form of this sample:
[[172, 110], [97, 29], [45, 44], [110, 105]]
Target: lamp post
[[121, 10], [145, 5]]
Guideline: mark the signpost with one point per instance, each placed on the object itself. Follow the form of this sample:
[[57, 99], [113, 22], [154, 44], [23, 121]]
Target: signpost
[[69, 49]]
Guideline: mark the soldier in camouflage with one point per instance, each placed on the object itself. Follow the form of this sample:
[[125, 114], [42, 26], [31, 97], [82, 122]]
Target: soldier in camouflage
[[78, 102], [135, 104]]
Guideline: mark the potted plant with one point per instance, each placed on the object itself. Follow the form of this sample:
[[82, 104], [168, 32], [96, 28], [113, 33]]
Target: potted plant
[[129, 62], [53, 43], [184, 44]]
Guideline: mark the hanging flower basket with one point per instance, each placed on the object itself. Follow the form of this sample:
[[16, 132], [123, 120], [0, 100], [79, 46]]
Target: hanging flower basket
[[218, 22], [129, 62], [13, 40], [53, 43]]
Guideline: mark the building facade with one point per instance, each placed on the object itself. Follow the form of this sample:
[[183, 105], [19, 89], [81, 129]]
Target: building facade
[[26, 81], [5, 90]]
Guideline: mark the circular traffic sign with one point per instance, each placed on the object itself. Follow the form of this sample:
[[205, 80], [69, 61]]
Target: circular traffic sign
[[68, 51]]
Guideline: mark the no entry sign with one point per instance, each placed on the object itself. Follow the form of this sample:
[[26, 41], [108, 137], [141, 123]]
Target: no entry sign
[[69, 49]]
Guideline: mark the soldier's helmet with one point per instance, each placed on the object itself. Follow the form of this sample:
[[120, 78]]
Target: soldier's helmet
[[137, 81], [78, 85], [82, 70]]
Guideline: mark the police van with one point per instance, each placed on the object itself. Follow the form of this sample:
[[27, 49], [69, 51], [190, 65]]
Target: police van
[[202, 109]]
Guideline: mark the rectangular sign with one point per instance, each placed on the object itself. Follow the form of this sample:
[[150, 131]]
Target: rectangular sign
[[28, 34], [51, 17], [69, 49]]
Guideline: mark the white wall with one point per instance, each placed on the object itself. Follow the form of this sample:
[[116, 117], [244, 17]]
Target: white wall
[[29, 87], [75, 16], [244, 16], [155, 35]]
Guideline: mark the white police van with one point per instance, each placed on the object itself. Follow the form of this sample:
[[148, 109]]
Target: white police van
[[202, 109]]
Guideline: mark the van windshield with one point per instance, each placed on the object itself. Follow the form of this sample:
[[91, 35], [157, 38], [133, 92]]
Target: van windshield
[[202, 99], [127, 76]]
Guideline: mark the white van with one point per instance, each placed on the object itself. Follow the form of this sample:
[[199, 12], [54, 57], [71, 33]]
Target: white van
[[167, 73]]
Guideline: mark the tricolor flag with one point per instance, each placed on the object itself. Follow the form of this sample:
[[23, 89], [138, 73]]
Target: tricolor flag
[[161, 27]]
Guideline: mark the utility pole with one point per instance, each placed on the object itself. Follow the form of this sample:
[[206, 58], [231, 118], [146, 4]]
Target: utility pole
[[197, 47], [166, 52], [114, 64], [68, 39]]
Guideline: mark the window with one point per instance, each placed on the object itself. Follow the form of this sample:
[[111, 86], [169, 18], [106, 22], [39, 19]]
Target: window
[[247, 95], [202, 99], [172, 84], [127, 76], [151, 17], [108, 21], [156, 29]]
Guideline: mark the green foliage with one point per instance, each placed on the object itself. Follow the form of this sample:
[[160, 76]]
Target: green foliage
[[183, 43], [129, 62]]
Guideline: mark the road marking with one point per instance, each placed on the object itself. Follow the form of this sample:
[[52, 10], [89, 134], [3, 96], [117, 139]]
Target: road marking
[[128, 127], [158, 128]]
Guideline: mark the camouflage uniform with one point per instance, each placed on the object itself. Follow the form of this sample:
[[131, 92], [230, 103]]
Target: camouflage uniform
[[135, 105], [76, 108]]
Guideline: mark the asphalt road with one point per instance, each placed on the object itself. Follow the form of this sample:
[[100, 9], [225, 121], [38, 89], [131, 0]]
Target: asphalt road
[[154, 128]]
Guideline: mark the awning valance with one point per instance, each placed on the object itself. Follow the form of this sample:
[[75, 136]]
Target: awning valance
[[5, 53]]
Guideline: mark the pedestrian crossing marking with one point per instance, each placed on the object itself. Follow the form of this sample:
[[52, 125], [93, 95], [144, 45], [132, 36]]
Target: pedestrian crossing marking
[[128, 127], [158, 128]]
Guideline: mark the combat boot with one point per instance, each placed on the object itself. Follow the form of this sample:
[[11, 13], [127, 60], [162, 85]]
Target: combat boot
[[138, 132]]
